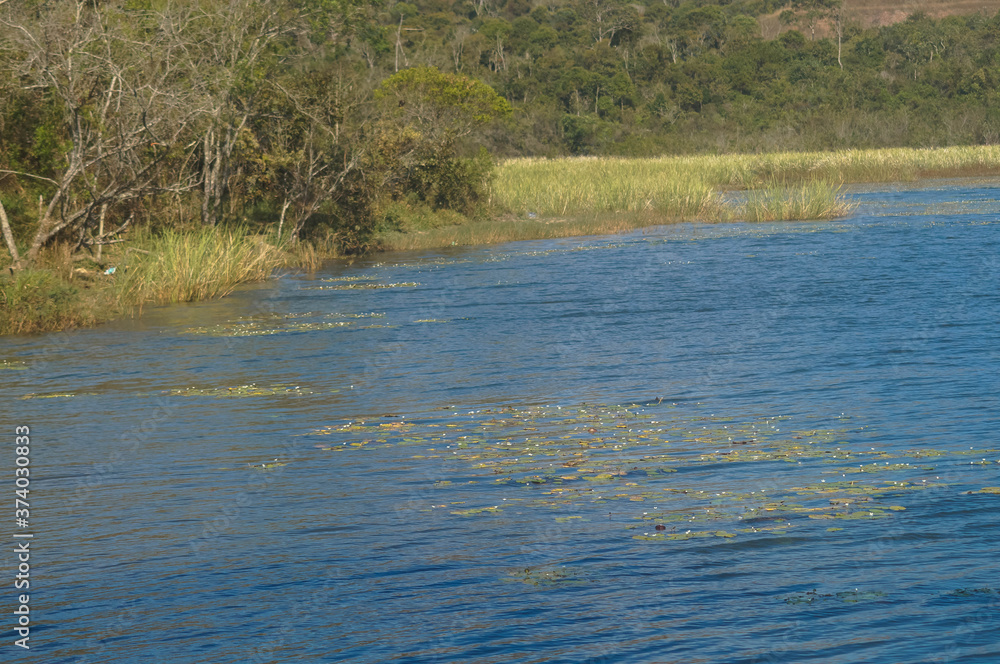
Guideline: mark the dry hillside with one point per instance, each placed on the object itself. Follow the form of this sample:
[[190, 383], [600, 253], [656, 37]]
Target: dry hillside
[[886, 12]]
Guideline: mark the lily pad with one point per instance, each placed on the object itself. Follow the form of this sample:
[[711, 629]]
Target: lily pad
[[477, 510], [654, 462], [268, 465]]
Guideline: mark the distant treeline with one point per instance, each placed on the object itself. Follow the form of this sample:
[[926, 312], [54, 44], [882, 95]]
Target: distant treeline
[[347, 114], [650, 77]]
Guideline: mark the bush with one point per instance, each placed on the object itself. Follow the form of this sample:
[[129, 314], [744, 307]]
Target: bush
[[448, 182], [37, 300]]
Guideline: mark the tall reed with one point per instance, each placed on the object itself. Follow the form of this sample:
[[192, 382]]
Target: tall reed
[[571, 186], [807, 201], [684, 187], [194, 265]]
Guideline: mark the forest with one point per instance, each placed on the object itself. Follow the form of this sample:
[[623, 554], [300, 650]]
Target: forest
[[344, 118], [344, 112]]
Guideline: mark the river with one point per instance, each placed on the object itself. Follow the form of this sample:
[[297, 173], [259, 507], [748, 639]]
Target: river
[[696, 443]]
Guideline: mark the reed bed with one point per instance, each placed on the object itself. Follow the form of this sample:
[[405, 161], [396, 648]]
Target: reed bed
[[194, 265], [687, 187], [810, 200], [882, 165], [571, 186]]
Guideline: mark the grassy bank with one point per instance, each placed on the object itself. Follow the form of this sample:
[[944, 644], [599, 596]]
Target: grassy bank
[[512, 229], [545, 198], [532, 199], [203, 263], [806, 201], [38, 300]]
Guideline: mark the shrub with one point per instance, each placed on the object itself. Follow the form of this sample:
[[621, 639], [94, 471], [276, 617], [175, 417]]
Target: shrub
[[37, 300]]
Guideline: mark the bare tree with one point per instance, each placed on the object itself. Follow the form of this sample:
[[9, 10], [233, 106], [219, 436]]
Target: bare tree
[[119, 114], [321, 145], [225, 56], [610, 17]]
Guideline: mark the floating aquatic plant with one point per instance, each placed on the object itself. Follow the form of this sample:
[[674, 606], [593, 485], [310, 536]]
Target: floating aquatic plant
[[12, 365], [477, 510], [267, 465], [250, 390], [655, 466], [53, 395], [260, 328], [847, 597], [357, 277], [364, 286], [686, 535], [543, 576], [362, 315]]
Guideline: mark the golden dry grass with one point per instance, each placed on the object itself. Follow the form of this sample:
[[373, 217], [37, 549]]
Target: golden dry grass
[[509, 229], [687, 187]]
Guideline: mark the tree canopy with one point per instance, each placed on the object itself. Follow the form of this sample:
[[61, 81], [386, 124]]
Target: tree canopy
[[325, 113]]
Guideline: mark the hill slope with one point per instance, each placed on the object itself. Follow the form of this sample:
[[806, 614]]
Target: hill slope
[[887, 12]]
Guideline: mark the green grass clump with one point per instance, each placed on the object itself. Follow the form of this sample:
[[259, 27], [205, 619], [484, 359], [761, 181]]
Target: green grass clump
[[194, 265], [400, 217], [808, 201], [175, 266], [38, 300]]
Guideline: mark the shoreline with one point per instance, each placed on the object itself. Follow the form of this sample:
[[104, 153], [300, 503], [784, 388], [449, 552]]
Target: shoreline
[[62, 297]]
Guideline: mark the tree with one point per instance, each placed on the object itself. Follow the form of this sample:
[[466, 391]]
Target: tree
[[426, 121], [320, 145], [117, 117], [445, 107], [227, 53]]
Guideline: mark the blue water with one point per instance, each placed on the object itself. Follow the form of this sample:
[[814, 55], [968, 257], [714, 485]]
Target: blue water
[[715, 374]]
